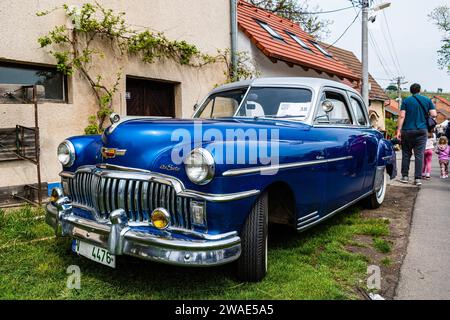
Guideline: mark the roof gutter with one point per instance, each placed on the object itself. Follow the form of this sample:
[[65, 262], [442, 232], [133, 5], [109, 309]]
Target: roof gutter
[[234, 26]]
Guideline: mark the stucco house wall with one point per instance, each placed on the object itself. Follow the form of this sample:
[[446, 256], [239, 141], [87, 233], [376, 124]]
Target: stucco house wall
[[377, 106], [204, 23]]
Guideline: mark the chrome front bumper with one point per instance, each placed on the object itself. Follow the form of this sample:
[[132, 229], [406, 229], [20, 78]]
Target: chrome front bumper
[[116, 235]]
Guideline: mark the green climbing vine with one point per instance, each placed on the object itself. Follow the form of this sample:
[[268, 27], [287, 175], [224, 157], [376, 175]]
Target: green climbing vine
[[73, 48], [245, 66]]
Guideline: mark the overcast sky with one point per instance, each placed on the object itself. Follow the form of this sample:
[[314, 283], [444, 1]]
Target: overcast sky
[[415, 38]]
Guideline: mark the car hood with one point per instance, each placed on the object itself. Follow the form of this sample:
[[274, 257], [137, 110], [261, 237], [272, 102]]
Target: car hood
[[148, 143]]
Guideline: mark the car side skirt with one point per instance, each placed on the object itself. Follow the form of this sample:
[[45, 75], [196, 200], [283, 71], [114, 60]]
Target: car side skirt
[[302, 225]]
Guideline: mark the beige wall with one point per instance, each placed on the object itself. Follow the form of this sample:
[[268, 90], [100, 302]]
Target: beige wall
[[204, 23], [378, 107]]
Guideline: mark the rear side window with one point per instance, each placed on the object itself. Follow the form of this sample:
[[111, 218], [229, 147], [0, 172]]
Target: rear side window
[[357, 107]]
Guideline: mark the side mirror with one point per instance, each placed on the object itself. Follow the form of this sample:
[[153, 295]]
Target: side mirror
[[327, 106]]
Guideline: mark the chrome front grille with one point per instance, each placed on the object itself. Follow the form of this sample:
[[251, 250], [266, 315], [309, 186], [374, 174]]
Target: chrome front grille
[[136, 196]]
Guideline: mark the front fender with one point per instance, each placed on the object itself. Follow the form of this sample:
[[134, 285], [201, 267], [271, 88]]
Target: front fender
[[87, 151]]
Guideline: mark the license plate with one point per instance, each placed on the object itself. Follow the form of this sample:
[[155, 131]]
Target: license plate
[[94, 253]]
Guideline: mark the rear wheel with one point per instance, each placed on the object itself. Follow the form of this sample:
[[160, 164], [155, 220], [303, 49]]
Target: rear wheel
[[252, 264], [375, 200]]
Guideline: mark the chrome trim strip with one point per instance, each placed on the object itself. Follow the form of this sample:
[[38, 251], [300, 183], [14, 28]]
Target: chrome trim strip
[[121, 196], [151, 205], [219, 197], [114, 193], [145, 175], [237, 172], [137, 201], [131, 118], [144, 201], [101, 196], [307, 216], [334, 212], [108, 195], [307, 221], [130, 199]]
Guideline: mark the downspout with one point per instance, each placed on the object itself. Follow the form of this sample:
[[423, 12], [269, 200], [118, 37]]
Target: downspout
[[234, 27]]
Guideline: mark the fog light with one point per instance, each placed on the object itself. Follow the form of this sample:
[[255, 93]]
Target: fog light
[[160, 218], [55, 195], [198, 213]]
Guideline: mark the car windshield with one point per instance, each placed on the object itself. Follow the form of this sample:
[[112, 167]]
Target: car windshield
[[263, 102], [222, 104]]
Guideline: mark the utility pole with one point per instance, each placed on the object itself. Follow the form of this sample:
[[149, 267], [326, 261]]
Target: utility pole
[[365, 4], [399, 82]]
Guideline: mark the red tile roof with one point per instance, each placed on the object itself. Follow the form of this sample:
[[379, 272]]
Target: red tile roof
[[288, 50], [392, 106], [442, 105], [443, 100]]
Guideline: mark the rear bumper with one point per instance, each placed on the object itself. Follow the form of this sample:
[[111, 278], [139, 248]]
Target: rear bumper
[[191, 249]]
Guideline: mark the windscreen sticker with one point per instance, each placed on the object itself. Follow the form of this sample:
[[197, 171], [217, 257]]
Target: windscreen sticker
[[296, 109]]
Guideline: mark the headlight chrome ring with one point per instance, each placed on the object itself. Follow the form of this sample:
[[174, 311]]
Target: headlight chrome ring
[[66, 153], [200, 166]]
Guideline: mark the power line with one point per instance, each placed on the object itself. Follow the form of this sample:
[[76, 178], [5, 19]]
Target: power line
[[392, 42], [318, 12], [305, 12], [345, 31], [390, 52], [391, 45], [379, 55]]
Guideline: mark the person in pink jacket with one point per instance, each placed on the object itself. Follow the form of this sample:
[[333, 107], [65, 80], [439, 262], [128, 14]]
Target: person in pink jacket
[[428, 156], [443, 151]]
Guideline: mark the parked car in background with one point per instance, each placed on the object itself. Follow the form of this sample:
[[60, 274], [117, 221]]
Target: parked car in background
[[291, 151]]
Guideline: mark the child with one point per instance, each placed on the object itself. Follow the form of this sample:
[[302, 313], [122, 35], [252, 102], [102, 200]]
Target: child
[[443, 150], [428, 156]]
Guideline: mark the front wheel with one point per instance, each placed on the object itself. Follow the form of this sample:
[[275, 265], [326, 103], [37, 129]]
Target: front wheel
[[252, 264], [375, 200]]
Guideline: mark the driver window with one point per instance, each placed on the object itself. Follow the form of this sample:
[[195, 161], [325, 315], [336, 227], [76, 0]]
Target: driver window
[[340, 113]]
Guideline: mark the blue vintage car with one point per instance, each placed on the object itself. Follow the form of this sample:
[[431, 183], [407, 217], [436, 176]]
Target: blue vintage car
[[202, 191]]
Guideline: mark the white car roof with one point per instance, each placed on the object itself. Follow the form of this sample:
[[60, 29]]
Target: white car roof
[[315, 83]]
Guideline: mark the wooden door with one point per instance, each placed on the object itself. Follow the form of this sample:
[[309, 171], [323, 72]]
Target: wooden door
[[150, 98]]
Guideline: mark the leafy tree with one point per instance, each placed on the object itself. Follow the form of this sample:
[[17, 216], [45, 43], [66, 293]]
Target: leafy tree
[[391, 88], [441, 18], [297, 11], [391, 127]]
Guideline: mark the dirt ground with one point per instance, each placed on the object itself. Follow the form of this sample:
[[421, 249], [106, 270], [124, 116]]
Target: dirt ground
[[397, 208]]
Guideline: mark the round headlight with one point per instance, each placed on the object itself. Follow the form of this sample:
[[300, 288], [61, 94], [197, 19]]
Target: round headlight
[[199, 165], [66, 153]]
